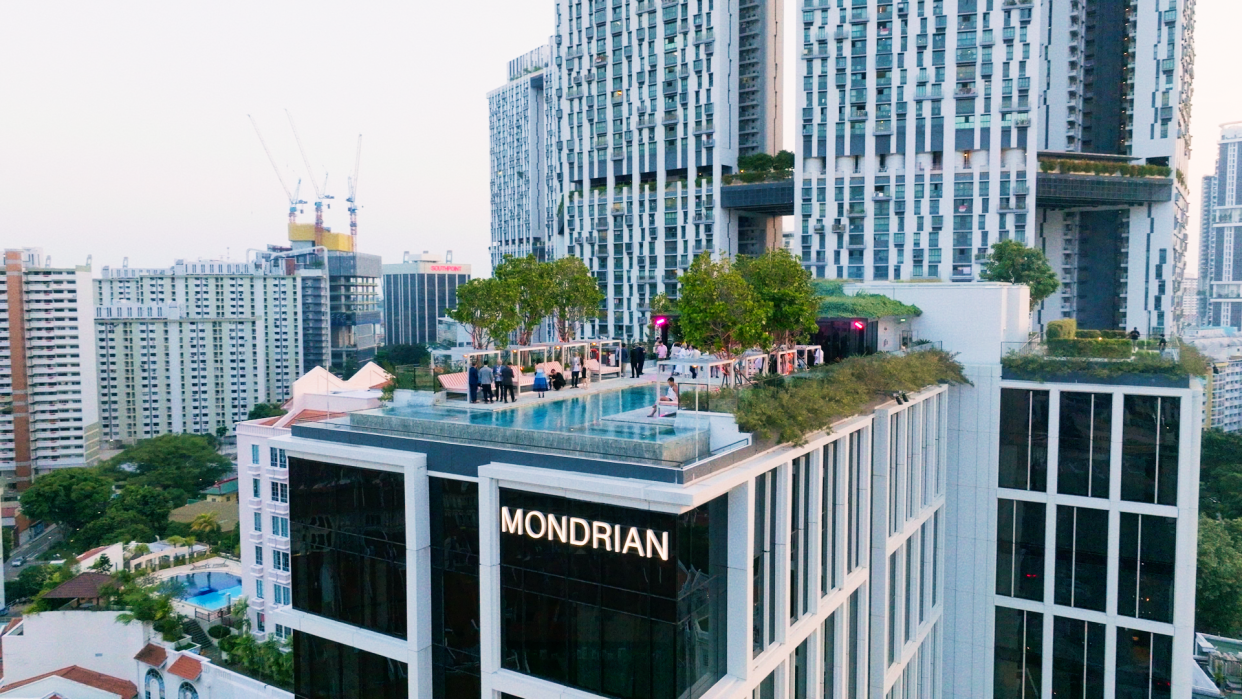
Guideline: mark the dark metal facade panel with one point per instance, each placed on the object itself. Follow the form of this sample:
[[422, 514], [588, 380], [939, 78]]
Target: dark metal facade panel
[[771, 198], [1060, 191]]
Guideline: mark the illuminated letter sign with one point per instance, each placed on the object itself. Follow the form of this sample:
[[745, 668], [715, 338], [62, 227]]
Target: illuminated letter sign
[[580, 532]]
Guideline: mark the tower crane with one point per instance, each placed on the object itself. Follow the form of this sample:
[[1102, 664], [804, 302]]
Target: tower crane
[[353, 193], [294, 202], [320, 194]]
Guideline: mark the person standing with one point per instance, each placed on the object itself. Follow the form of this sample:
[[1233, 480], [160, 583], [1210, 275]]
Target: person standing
[[626, 354], [472, 380], [637, 355], [819, 356], [507, 394], [661, 351], [485, 382], [575, 370], [1134, 338], [541, 381]]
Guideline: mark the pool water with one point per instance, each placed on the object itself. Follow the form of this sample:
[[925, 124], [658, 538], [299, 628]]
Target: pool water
[[216, 599], [579, 415]]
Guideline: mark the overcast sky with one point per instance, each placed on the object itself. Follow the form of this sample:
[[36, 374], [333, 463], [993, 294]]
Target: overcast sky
[[123, 129]]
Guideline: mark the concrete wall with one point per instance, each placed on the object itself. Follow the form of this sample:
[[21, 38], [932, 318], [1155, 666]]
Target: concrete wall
[[52, 640]]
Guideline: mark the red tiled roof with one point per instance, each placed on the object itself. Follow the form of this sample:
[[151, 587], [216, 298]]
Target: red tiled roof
[[271, 420], [152, 655], [187, 668], [9, 626], [85, 586], [315, 415], [92, 552], [113, 685]]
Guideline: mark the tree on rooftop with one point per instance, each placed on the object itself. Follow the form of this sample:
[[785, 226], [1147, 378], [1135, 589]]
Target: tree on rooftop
[[575, 295], [1011, 261], [720, 311], [70, 497], [784, 285], [403, 354], [784, 160], [486, 307], [265, 410], [531, 286]]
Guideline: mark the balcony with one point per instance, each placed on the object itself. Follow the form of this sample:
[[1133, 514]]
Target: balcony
[[278, 508], [280, 543], [255, 537]]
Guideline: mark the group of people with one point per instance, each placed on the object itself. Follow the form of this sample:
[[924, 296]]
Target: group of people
[[482, 379], [636, 356]]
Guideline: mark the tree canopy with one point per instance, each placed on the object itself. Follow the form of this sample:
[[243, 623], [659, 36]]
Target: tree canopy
[[575, 296], [264, 410], [178, 464], [1011, 261], [784, 285], [530, 285], [486, 307], [403, 355], [70, 497], [720, 311], [1218, 596]]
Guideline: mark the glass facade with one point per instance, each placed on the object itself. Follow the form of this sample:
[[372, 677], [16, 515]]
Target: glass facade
[[764, 567], [1020, 548], [454, 519], [1083, 453], [1077, 659], [1082, 557], [1144, 665], [1146, 562], [324, 669], [1018, 669], [1149, 449], [624, 625], [1024, 439], [347, 529]]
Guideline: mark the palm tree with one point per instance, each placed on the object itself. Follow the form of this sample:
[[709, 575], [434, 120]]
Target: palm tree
[[206, 523]]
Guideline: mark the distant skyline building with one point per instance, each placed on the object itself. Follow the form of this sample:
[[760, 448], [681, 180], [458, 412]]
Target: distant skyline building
[[1223, 348], [49, 412], [193, 347], [417, 292], [519, 154], [1220, 245]]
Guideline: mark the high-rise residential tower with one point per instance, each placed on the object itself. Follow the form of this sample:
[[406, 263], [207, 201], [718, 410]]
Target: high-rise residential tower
[[651, 105], [520, 184], [1220, 245], [195, 346], [49, 412]]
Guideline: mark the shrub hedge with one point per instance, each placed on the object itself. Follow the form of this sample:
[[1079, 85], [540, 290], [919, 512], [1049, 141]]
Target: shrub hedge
[[1090, 347], [1091, 167], [1061, 329]]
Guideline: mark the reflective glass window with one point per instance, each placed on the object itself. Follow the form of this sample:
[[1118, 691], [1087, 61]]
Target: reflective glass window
[[830, 657], [828, 522], [324, 669], [1020, 527], [1082, 557], [1018, 653], [1145, 567], [453, 514], [1144, 665], [1150, 431], [1077, 659], [1024, 439], [764, 568], [799, 537], [1084, 444]]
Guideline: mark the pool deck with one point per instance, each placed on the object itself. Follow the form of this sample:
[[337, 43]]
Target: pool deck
[[530, 397], [210, 565]]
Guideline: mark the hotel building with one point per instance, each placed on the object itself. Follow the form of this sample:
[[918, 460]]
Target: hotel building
[[1008, 538], [417, 293], [49, 413]]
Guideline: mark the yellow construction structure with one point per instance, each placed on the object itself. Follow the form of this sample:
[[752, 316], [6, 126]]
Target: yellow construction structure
[[308, 232]]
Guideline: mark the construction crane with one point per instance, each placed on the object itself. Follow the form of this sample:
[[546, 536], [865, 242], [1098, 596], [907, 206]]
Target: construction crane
[[353, 193], [321, 195], [294, 202]]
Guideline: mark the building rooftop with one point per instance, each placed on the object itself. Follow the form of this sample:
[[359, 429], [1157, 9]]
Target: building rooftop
[[107, 683], [152, 654], [84, 586]]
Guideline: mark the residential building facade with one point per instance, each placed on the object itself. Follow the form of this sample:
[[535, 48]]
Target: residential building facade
[[49, 411], [1219, 266], [1223, 348], [951, 541], [195, 346], [417, 293], [519, 150], [650, 106]]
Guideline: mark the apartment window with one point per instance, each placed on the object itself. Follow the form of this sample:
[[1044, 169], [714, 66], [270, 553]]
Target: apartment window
[[254, 453], [1084, 445], [280, 526], [1019, 650], [254, 486], [829, 636], [1149, 456], [1082, 557], [1145, 562], [258, 555], [828, 522], [799, 666], [1020, 549], [855, 682], [799, 538], [280, 492], [258, 589], [261, 625], [280, 594], [1024, 439], [765, 561], [1077, 658], [1144, 664], [856, 475], [258, 521], [892, 607]]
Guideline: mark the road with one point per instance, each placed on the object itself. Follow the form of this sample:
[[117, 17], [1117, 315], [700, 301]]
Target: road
[[31, 550]]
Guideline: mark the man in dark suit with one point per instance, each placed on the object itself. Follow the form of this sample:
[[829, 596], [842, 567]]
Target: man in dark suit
[[473, 381], [638, 356]]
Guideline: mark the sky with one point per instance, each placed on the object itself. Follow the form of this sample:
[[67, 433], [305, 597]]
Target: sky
[[124, 129]]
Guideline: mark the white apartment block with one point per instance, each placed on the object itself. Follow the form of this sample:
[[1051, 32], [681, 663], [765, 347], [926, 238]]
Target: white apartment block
[[1223, 348], [520, 177], [49, 415], [1220, 269], [1007, 538], [193, 347], [651, 105]]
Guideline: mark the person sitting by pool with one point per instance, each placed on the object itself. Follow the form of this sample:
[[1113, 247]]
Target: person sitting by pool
[[670, 398]]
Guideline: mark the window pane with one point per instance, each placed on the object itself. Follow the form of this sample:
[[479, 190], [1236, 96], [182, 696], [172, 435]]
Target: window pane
[[1077, 659], [1020, 549], [1023, 439], [830, 657], [1018, 654], [1083, 457], [1146, 560], [1149, 449], [1144, 665], [1082, 557]]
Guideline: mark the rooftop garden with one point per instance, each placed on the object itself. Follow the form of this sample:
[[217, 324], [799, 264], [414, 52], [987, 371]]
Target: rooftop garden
[[834, 303], [1101, 354], [1096, 167], [761, 167]]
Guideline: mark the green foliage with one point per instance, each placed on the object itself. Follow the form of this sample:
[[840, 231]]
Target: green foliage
[[221, 431], [178, 464], [1218, 583], [265, 410], [29, 582], [1013, 262], [575, 295], [759, 162], [269, 661], [720, 311], [1220, 474], [151, 504], [103, 564], [1065, 329], [834, 303], [70, 497], [1092, 167], [486, 306], [1040, 368], [784, 285], [790, 408], [403, 355], [114, 526], [219, 631], [150, 605], [530, 285], [1085, 347], [784, 160]]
